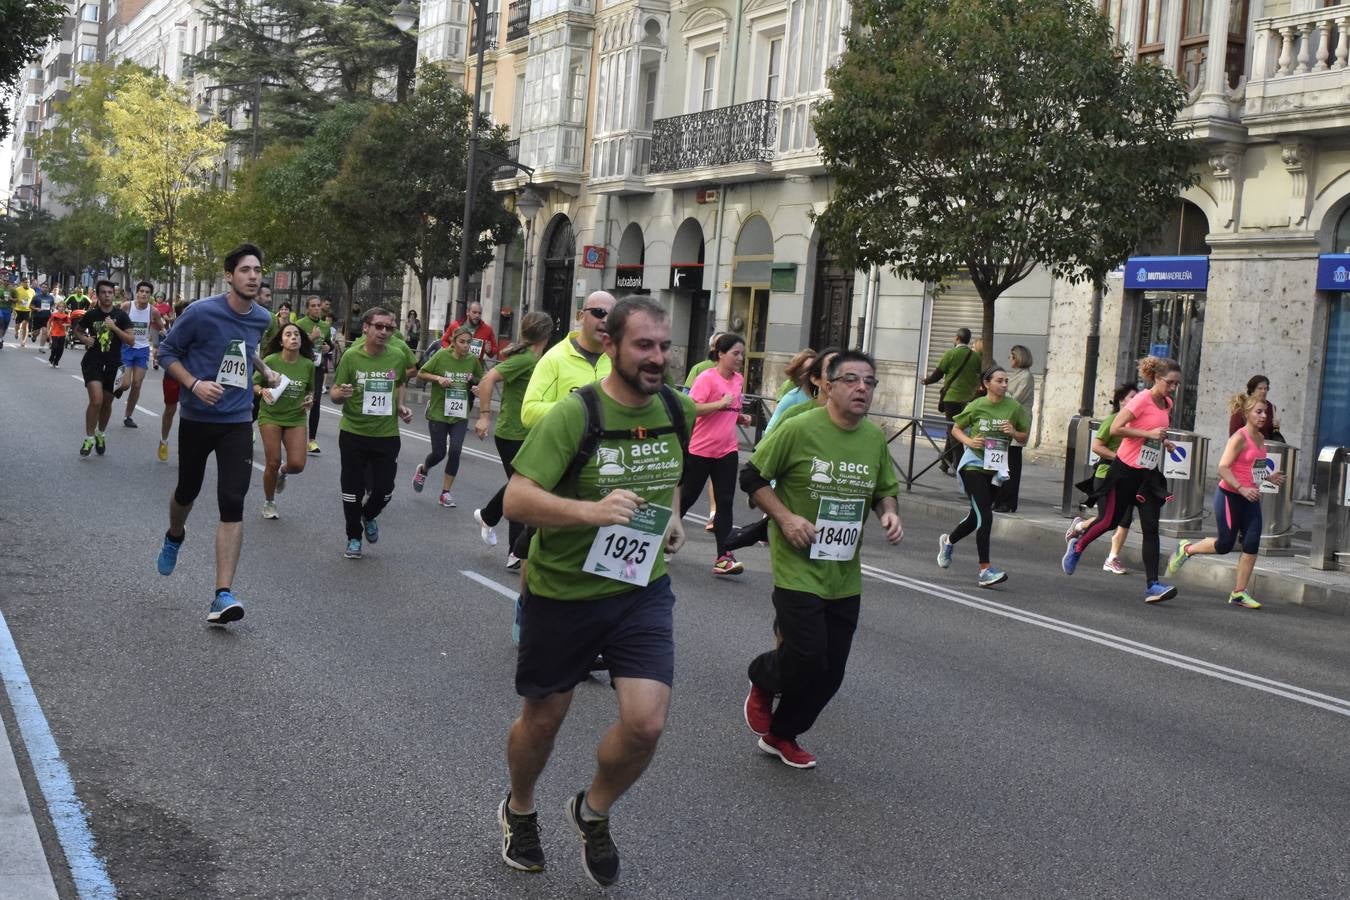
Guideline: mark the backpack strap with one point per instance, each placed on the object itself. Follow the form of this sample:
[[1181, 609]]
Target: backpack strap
[[594, 431]]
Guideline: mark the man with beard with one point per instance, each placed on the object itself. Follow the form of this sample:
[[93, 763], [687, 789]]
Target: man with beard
[[103, 331], [483, 341], [598, 478], [212, 351]]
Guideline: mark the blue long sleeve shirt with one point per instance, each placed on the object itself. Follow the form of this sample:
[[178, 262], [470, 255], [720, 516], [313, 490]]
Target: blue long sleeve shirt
[[200, 339]]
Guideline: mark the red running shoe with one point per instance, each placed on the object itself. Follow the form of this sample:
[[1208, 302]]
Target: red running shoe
[[790, 752], [758, 709]]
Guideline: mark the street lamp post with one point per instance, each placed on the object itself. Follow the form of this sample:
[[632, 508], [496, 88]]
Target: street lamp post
[[255, 117]]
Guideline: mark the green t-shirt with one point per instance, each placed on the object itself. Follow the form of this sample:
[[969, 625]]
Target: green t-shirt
[[787, 385], [959, 386], [697, 370], [650, 467], [1111, 440], [816, 463], [307, 325], [799, 409], [515, 373], [6, 299], [460, 372], [397, 344], [983, 418], [377, 376], [289, 410]]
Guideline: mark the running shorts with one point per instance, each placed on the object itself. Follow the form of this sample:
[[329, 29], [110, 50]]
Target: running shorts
[[135, 357], [99, 367]]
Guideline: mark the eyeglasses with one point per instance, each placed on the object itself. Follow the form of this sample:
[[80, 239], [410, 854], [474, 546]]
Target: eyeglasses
[[597, 311], [379, 326], [854, 380]]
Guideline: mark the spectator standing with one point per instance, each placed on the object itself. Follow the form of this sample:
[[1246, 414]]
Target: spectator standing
[[1022, 388], [1258, 386]]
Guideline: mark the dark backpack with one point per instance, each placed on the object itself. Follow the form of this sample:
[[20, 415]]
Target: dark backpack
[[594, 429]]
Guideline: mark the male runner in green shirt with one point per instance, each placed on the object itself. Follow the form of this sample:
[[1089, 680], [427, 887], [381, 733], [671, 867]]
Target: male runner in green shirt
[[830, 466], [959, 371], [597, 580]]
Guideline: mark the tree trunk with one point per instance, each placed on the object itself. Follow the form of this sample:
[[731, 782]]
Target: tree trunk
[[987, 331]]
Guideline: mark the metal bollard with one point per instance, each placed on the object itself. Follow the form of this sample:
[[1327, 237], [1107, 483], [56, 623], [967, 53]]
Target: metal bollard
[[1331, 530], [1184, 468], [1277, 502], [1079, 460]]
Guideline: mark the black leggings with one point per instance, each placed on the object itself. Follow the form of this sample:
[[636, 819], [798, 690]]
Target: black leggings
[[1125, 495], [980, 489], [58, 349], [232, 443], [492, 513], [697, 470], [318, 397], [366, 461], [443, 433], [808, 668]]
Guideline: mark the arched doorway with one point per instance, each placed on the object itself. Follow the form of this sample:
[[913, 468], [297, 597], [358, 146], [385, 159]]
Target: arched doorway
[[751, 273], [560, 250], [686, 288], [1171, 320], [628, 271], [513, 286], [832, 303]]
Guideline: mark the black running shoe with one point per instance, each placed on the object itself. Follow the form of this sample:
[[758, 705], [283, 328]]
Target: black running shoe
[[599, 856], [520, 839]]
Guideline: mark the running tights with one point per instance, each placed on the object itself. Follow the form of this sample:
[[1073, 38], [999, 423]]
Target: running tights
[[1126, 494], [58, 349], [232, 443], [366, 461], [443, 433], [722, 470], [492, 513], [980, 489]]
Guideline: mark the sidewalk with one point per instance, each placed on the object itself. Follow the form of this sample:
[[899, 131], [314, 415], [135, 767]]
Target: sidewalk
[[1278, 579]]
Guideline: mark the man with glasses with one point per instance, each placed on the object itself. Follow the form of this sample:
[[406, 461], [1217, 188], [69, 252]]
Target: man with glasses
[[368, 384], [815, 477]]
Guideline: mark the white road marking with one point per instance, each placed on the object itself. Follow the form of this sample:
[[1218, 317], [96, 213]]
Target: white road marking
[[490, 584], [146, 411], [1327, 702]]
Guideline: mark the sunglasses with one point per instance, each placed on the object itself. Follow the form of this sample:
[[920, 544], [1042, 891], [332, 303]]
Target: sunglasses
[[596, 311], [379, 326]]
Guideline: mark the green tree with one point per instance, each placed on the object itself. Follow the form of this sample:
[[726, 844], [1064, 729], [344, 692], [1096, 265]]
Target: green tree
[[158, 157], [995, 136], [308, 56], [404, 175], [25, 28]]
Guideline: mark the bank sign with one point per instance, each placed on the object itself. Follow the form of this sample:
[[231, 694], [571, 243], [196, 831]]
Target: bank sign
[[1333, 272], [1167, 273]]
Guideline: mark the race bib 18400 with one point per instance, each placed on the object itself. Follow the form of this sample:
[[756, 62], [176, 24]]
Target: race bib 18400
[[627, 552], [233, 371], [377, 399], [839, 524]]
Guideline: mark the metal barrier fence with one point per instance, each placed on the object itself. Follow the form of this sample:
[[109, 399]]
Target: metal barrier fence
[[760, 409], [1331, 530]]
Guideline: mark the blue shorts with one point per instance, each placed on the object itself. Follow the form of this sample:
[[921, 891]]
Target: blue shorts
[[559, 639], [5, 315], [1236, 515], [135, 357]]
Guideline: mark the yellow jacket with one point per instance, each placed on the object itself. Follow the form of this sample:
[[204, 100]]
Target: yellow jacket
[[558, 373]]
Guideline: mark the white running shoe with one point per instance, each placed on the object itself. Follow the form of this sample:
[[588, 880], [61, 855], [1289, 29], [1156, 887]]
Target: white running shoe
[[485, 531]]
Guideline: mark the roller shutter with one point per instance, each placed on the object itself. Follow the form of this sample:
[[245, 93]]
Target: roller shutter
[[959, 306]]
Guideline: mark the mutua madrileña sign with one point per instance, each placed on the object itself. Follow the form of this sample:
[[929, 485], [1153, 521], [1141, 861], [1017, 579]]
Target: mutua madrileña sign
[[1167, 273]]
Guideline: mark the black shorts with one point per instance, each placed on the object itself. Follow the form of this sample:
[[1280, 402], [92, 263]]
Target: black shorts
[[21, 316], [559, 639], [41, 317], [101, 368]]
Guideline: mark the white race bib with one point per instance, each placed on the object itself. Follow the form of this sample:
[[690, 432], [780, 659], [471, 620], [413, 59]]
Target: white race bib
[[377, 398], [456, 403], [839, 524], [627, 552], [476, 347], [996, 454], [1150, 454], [233, 370]]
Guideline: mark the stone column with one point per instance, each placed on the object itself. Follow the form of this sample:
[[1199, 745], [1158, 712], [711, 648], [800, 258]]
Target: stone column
[[1213, 100]]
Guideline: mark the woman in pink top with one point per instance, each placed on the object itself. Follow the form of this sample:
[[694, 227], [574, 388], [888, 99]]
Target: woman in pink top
[[1134, 477], [713, 445], [1237, 501]]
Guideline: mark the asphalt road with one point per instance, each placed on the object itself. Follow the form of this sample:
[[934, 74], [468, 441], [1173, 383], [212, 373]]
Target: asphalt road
[[1051, 737]]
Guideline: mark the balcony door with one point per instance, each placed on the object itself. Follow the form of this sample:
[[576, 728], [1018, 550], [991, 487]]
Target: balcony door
[[558, 265]]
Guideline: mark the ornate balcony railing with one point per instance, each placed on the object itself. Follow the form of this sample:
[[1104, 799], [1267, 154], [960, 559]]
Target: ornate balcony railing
[[732, 134], [517, 19], [492, 23]]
